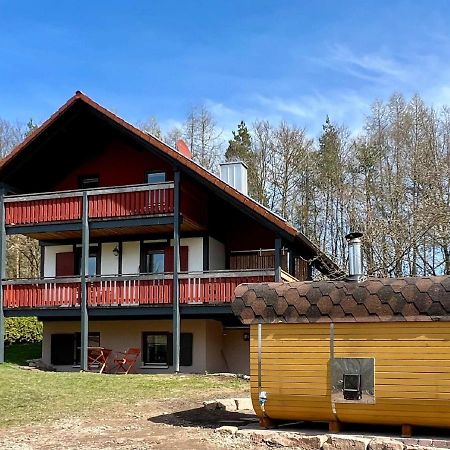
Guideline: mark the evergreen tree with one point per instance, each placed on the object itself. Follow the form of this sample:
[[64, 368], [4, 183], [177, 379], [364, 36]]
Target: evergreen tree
[[240, 149]]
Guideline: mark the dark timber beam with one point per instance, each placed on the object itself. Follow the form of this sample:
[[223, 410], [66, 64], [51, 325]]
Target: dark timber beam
[[43, 228], [131, 222], [176, 269], [84, 273], [94, 225], [222, 312], [277, 259], [2, 275]]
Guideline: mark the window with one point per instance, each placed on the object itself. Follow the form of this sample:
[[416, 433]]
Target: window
[[65, 348], [157, 349], [153, 257], [153, 261], [93, 261], [156, 177], [93, 341], [88, 182]]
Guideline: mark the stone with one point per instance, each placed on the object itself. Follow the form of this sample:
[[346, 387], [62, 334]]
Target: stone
[[226, 429], [286, 439], [441, 443], [244, 403], [385, 444], [255, 435], [226, 404], [345, 443]]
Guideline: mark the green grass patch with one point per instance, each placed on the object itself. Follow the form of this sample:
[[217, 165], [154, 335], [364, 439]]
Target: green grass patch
[[33, 396], [20, 353]]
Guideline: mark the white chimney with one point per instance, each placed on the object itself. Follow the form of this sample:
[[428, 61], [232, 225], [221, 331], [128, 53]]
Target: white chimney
[[235, 174], [355, 270]]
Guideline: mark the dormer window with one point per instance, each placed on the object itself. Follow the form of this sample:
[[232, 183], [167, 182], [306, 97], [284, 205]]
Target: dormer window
[[156, 177], [88, 182]]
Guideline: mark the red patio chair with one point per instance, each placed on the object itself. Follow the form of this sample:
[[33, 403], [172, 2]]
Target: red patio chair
[[124, 362]]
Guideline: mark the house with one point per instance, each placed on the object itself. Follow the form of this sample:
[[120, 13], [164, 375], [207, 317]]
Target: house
[[140, 246], [375, 351]]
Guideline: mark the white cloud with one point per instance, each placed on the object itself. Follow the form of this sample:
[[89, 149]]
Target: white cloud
[[374, 67]]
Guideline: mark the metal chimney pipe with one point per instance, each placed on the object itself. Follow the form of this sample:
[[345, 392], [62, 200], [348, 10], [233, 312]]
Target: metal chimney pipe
[[355, 270]]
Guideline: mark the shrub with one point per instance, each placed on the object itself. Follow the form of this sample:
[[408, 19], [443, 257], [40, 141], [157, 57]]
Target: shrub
[[20, 330]]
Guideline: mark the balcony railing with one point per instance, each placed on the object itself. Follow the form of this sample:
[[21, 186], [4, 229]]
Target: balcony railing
[[127, 201], [196, 288]]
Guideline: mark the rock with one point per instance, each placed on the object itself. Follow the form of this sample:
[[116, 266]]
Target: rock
[[226, 430], [441, 443], [255, 435], [385, 444], [244, 403], [227, 404], [345, 443], [287, 439], [210, 405]]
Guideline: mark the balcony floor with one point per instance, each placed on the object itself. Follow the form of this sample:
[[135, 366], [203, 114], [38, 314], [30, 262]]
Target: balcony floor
[[217, 312]]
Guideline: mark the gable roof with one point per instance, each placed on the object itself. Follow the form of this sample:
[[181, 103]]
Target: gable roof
[[323, 262]]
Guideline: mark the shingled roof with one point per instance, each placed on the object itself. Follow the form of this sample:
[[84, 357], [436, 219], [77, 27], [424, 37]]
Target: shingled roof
[[374, 300]]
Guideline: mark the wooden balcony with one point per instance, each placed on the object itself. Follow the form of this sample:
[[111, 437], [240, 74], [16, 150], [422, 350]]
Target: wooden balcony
[[199, 288], [104, 203]]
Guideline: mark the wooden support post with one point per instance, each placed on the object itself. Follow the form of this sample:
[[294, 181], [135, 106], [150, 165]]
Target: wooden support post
[[176, 269], [267, 423], [120, 258], [205, 253], [292, 256], [334, 427], [2, 275], [84, 273], [406, 431], [277, 259], [310, 272]]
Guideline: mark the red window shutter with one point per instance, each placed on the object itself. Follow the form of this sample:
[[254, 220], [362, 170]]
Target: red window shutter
[[184, 252], [168, 259], [65, 264]]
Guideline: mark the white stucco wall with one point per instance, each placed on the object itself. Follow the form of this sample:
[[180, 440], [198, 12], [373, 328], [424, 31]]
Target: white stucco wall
[[216, 255], [195, 252], [120, 335], [130, 257], [50, 258], [109, 261]]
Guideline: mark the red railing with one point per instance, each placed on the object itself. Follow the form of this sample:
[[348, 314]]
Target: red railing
[[62, 292], [195, 288], [25, 212], [125, 201]]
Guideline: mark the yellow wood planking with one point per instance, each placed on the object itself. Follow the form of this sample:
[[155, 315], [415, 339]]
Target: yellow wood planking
[[412, 371]]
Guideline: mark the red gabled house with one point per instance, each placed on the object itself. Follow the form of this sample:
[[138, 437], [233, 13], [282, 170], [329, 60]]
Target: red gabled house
[[140, 246]]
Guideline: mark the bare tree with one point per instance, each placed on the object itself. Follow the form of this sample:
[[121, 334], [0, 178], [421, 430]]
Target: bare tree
[[202, 136], [151, 126]]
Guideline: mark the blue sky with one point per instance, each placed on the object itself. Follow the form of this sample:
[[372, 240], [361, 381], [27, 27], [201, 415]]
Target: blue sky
[[288, 60]]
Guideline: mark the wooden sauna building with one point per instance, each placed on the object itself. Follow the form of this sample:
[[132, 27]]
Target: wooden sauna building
[[370, 352]]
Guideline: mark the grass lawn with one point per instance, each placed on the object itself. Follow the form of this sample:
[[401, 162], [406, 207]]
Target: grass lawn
[[33, 396]]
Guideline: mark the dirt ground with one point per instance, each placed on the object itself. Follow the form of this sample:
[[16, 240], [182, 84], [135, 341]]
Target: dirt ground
[[162, 424]]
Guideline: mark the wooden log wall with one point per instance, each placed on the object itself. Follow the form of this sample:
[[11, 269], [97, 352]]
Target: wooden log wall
[[412, 371]]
